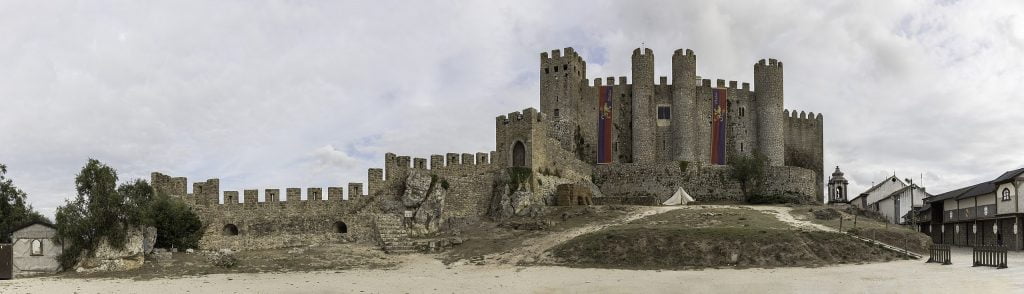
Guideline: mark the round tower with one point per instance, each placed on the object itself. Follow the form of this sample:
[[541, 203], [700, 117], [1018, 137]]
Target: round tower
[[770, 121], [684, 84], [643, 106]]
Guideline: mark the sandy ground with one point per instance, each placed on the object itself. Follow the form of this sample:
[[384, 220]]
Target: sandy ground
[[425, 274]]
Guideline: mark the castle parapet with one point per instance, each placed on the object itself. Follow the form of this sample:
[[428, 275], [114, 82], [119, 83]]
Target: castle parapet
[[355, 190], [231, 197], [335, 193], [250, 197], [314, 194], [272, 196]]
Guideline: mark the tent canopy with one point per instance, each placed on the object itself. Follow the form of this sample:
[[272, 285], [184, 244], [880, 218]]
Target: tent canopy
[[679, 198]]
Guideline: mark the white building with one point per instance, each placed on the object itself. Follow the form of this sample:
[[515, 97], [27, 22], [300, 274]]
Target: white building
[[893, 198]]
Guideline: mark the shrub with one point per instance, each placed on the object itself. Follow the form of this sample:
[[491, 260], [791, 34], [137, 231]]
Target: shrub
[[224, 259]]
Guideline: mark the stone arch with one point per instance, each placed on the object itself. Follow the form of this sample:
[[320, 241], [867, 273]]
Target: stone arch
[[230, 230], [340, 227], [518, 154]]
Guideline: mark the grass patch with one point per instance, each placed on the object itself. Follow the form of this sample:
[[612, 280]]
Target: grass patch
[[682, 248], [896, 235]]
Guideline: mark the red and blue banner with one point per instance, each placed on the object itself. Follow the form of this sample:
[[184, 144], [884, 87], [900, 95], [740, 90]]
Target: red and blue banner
[[604, 124], [719, 105]]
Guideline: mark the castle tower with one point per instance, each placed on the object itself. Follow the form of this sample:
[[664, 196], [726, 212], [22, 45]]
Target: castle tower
[[561, 76], [684, 83], [770, 121], [643, 106], [837, 187]]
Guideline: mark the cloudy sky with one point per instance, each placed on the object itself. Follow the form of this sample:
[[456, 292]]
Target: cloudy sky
[[277, 94]]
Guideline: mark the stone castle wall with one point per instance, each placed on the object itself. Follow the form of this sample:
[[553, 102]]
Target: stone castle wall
[[755, 118], [652, 184]]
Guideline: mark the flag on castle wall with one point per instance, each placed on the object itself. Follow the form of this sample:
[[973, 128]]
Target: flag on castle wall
[[604, 124], [719, 105]]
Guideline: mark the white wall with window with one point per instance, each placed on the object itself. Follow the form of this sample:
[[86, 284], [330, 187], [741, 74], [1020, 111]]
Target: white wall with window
[[35, 249]]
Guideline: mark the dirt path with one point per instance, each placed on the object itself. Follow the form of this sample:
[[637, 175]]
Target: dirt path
[[537, 249], [782, 213]]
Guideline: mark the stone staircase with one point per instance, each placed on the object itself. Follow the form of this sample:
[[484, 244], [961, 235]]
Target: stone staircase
[[394, 238]]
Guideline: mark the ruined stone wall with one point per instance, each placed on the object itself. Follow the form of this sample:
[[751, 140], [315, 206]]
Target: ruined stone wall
[[652, 184]]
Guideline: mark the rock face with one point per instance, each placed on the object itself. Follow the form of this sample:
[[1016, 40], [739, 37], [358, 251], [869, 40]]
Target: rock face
[[106, 258], [424, 196], [149, 240], [507, 202]]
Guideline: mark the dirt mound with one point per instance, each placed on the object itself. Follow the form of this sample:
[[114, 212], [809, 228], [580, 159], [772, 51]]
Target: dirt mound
[[674, 248]]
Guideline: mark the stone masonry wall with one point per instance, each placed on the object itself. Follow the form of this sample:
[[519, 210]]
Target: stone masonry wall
[[652, 184]]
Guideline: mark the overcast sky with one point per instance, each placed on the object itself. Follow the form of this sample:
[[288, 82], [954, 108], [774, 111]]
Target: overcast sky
[[278, 94]]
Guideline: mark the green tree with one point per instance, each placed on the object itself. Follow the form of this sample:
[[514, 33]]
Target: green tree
[[176, 225], [97, 211], [103, 209], [14, 209], [749, 171]]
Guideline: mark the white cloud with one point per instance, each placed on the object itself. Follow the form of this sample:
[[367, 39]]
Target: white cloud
[[271, 94]]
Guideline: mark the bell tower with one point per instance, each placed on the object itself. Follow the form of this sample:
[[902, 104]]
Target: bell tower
[[837, 187]]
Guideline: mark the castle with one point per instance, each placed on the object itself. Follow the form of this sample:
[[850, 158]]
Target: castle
[[630, 143]]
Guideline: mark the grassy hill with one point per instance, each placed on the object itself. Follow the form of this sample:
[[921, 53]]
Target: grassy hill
[[714, 237]]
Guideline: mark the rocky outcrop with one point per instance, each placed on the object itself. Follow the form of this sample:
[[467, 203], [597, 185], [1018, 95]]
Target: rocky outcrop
[[424, 196], [510, 199], [108, 258]]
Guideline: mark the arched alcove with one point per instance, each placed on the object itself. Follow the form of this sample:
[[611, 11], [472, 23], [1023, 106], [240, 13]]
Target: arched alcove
[[230, 230], [340, 227]]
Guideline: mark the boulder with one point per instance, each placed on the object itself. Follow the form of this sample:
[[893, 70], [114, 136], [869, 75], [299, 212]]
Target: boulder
[[417, 186], [149, 240], [108, 258], [424, 196]]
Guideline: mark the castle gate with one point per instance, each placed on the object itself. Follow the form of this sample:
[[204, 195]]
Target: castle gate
[[518, 154]]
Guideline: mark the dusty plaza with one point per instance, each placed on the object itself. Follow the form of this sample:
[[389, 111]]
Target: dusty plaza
[[789, 146]]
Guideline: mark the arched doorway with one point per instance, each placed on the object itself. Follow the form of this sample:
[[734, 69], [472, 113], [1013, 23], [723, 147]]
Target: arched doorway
[[518, 154], [340, 227], [230, 230]]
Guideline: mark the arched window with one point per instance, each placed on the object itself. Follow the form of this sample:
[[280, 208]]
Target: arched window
[[230, 230], [37, 247], [518, 154], [340, 227]]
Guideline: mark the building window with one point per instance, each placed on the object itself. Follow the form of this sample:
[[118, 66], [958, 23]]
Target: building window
[[664, 112], [556, 68], [547, 70], [556, 112], [37, 248], [565, 67], [1006, 194], [741, 111]]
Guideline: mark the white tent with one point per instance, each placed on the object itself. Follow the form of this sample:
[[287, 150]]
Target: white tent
[[679, 198]]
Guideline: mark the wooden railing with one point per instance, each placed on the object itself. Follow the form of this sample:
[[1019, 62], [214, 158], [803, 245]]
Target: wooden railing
[[939, 253], [990, 256]]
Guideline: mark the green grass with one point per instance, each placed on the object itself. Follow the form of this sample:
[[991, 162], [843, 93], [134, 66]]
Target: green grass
[[710, 218]]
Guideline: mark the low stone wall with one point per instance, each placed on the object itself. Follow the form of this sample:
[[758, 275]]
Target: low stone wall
[[652, 184], [274, 225]]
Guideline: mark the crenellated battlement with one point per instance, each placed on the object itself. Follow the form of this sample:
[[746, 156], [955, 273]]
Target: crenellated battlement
[[808, 118], [208, 194], [768, 64], [528, 117]]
